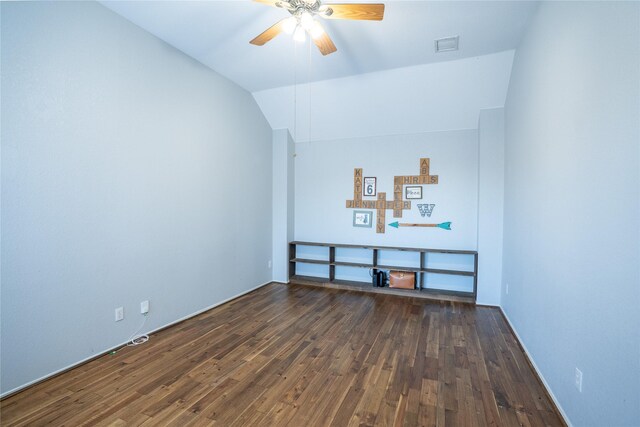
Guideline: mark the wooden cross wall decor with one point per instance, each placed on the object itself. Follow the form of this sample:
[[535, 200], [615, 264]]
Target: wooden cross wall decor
[[382, 204]]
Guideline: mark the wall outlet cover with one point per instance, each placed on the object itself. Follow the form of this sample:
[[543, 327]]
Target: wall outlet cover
[[144, 307], [119, 314]]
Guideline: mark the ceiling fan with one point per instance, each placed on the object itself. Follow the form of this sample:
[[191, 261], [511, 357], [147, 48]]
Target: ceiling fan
[[302, 20]]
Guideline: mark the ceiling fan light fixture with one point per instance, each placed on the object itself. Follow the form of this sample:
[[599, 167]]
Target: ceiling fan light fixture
[[289, 25], [316, 31], [303, 20], [306, 21], [299, 34]]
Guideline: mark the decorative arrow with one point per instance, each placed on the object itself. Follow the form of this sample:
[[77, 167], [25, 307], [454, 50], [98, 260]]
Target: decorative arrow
[[443, 225]]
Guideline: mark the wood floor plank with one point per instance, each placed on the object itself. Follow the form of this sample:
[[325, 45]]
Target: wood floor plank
[[305, 356]]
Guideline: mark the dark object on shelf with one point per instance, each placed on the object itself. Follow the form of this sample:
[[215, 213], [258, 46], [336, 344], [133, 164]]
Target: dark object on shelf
[[402, 280], [379, 278]]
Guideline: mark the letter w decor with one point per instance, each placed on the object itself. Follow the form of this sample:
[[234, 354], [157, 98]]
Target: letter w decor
[[382, 204]]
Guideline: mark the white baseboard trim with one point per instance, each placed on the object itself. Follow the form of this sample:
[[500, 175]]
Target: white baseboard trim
[[533, 363], [101, 353]]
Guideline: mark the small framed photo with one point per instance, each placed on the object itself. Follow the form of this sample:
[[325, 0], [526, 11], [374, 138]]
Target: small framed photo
[[413, 192], [362, 218], [369, 187]]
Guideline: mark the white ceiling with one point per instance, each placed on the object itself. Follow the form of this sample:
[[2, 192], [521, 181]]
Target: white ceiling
[[217, 33]]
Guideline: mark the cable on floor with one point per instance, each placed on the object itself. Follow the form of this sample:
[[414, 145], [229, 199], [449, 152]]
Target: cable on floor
[[136, 339]]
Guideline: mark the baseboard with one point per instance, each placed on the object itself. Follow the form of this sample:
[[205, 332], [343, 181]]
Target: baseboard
[[109, 350], [545, 384], [480, 304]]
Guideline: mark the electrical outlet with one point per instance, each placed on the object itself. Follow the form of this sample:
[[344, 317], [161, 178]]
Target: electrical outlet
[[579, 380], [119, 314], [144, 307], [269, 264]]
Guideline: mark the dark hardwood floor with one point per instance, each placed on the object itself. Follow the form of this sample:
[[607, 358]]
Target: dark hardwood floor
[[304, 356]]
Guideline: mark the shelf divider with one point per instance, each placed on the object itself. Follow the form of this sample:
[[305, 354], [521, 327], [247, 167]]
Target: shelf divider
[[332, 263], [423, 265]]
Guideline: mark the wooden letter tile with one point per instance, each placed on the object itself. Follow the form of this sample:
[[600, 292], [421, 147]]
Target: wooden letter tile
[[424, 166], [381, 219]]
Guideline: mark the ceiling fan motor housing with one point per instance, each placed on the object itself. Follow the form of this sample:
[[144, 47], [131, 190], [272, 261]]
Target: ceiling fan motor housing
[[298, 7]]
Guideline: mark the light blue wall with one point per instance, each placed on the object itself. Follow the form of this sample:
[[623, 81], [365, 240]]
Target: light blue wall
[[129, 172], [283, 202], [490, 204], [324, 181], [572, 223]]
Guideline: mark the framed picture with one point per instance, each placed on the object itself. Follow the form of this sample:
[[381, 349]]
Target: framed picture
[[369, 187], [362, 218], [413, 192]]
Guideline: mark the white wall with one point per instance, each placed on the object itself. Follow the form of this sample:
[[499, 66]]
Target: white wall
[[490, 204], [324, 181], [129, 172], [426, 98], [283, 202], [571, 237]]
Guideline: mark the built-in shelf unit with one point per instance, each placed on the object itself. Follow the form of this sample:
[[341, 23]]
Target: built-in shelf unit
[[421, 267]]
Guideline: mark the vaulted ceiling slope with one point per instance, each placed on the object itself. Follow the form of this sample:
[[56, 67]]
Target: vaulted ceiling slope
[[217, 33], [423, 98]]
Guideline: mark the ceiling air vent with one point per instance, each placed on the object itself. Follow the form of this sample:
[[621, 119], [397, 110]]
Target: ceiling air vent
[[447, 44]]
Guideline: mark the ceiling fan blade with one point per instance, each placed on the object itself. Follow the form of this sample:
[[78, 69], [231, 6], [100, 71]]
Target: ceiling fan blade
[[359, 11], [324, 42], [275, 3], [268, 34]]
